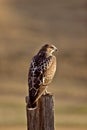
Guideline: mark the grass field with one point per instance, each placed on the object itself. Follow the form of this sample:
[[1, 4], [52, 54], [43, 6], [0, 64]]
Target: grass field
[[24, 27], [70, 108]]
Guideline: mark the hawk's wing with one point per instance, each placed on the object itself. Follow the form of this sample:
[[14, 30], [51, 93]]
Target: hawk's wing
[[36, 77]]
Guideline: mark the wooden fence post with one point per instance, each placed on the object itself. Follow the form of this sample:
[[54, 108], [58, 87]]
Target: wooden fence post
[[41, 117]]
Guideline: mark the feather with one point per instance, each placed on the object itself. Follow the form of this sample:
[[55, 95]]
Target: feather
[[37, 77]]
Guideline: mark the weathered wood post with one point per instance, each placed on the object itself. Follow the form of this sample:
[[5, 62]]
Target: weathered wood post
[[42, 116]]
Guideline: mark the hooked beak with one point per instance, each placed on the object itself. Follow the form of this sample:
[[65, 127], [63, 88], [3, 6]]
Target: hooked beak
[[56, 49]]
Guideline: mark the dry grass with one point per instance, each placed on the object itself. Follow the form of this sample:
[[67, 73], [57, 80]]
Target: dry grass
[[24, 27], [24, 128]]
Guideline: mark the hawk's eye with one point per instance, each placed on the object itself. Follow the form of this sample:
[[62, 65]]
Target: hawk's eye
[[52, 47]]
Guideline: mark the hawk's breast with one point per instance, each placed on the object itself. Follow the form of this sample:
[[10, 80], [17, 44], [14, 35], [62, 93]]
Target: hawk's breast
[[49, 74]]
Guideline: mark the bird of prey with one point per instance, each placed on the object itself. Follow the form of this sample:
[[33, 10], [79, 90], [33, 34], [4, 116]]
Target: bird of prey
[[41, 72]]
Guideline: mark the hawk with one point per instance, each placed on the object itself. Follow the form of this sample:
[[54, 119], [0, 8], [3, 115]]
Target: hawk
[[41, 72]]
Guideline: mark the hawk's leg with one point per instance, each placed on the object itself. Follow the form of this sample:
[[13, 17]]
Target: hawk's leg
[[46, 92]]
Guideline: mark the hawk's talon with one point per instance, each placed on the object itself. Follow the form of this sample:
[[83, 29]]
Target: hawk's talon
[[46, 92]]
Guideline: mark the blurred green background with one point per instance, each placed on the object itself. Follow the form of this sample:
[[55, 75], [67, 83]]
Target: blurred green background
[[24, 27]]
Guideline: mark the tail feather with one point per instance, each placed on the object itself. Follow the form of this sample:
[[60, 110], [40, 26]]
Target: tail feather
[[41, 91], [34, 97]]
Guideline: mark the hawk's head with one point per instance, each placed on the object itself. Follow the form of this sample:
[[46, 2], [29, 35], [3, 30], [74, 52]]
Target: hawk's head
[[48, 48]]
